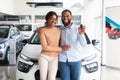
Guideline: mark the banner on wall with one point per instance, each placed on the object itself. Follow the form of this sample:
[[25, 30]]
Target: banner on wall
[[112, 43], [112, 29]]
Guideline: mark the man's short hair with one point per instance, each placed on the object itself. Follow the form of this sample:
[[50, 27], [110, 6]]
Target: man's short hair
[[66, 10]]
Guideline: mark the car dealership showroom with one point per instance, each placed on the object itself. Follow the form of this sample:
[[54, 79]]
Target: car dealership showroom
[[20, 45]]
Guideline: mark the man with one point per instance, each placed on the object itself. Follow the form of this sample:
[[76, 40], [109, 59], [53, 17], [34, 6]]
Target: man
[[70, 60]]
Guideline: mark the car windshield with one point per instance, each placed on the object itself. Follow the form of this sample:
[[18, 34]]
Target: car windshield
[[24, 27], [4, 32], [35, 39]]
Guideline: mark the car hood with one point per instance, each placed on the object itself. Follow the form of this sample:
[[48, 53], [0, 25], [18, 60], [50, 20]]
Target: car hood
[[2, 40], [87, 51], [31, 50]]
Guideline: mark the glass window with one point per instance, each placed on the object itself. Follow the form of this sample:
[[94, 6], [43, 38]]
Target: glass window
[[24, 27], [66, 3], [4, 32], [35, 39]]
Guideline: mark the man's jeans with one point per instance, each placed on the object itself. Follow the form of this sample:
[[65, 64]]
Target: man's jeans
[[70, 70]]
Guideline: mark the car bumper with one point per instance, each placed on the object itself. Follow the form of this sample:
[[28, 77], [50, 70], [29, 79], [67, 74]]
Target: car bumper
[[92, 74], [31, 75]]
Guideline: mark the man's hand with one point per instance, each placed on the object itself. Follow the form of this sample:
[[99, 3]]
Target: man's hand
[[81, 30]]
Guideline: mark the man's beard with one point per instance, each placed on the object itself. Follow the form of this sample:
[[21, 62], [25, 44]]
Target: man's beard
[[66, 23]]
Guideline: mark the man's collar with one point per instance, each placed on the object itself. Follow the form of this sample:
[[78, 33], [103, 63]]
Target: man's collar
[[71, 26]]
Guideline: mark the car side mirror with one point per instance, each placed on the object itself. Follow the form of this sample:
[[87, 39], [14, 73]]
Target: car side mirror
[[24, 42], [12, 36], [95, 42]]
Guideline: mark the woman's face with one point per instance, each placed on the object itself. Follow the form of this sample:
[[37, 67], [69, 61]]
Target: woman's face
[[52, 21]]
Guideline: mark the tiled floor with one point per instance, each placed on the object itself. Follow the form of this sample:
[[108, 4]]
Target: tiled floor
[[8, 73], [110, 73]]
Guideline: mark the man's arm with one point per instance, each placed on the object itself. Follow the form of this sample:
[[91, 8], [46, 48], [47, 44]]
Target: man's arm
[[81, 31]]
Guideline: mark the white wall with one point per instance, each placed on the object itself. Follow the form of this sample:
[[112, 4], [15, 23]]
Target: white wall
[[112, 46], [21, 8], [112, 9], [92, 17], [6, 6], [113, 13], [112, 3], [112, 57]]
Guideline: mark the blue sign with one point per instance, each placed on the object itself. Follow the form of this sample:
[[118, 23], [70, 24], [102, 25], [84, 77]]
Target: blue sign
[[112, 22]]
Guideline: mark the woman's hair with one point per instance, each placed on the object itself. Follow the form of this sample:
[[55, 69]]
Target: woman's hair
[[49, 14]]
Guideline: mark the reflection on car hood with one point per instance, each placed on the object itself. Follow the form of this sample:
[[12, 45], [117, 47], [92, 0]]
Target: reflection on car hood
[[31, 50], [2, 40], [87, 50]]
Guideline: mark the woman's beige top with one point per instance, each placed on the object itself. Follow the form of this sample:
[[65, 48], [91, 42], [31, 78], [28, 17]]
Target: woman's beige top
[[49, 39]]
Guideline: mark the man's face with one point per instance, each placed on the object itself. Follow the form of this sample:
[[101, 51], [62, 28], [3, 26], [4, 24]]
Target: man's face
[[66, 18]]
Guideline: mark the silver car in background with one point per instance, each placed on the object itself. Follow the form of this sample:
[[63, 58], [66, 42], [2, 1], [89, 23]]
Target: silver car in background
[[8, 34], [27, 29]]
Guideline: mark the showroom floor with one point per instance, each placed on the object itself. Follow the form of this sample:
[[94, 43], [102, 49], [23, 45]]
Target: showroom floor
[[8, 73]]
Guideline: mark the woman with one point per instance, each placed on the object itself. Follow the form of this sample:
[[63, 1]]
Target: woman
[[49, 39]]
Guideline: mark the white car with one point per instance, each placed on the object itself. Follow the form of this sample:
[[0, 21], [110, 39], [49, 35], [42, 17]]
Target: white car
[[27, 29], [27, 62], [8, 35]]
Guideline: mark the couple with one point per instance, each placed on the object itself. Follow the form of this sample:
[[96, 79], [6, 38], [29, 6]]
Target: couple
[[65, 43]]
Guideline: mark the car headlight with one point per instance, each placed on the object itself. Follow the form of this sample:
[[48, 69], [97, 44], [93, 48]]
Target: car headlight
[[24, 57], [2, 46], [92, 67], [24, 67], [28, 59]]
